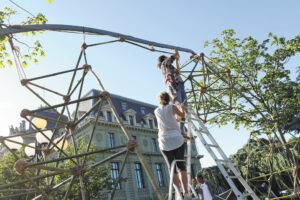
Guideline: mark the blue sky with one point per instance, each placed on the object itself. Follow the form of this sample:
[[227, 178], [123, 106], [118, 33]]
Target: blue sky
[[129, 71]]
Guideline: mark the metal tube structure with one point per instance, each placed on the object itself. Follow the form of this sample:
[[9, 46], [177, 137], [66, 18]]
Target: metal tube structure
[[60, 27]]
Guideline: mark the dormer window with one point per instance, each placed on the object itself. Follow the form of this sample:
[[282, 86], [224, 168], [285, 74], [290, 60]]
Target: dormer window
[[130, 116], [109, 116], [131, 120], [151, 123], [124, 105], [143, 110], [149, 119]]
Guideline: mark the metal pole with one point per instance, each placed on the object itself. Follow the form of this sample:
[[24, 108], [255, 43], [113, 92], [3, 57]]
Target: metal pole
[[59, 27]]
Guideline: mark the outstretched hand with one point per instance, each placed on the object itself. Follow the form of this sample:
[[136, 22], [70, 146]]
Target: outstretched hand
[[176, 54], [185, 136], [182, 106]]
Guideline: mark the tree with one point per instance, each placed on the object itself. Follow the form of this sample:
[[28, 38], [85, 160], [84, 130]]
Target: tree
[[8, 43], [8, 175], [260, 73], [97, 182], [256, 159]]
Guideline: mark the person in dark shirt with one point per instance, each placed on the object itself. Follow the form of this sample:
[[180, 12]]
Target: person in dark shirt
[[173, 80]]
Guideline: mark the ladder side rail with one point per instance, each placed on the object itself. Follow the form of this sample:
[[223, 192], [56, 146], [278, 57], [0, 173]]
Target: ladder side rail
[[219, 164], [172, 172], [229, 163], [189, 149]]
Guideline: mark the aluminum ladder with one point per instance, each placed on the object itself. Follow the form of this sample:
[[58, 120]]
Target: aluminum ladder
[[210, 143]]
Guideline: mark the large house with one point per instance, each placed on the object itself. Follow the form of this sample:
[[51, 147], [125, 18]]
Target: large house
[[140, 121]]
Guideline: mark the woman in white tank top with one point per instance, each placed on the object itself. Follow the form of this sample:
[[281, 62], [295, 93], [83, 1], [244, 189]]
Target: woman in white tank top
[[170, 139]]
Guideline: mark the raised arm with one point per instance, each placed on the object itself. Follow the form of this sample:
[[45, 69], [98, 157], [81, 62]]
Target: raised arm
[[177, 61], [178, 112], [170, 60]]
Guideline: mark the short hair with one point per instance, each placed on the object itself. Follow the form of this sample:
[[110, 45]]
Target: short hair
[[200, 176], [160, 60], [164, 98]]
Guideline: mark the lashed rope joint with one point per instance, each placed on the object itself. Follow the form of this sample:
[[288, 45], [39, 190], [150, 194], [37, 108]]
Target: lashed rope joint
[[25, 113], [203, 89], [105, 95], [20, 166], [78, 170], [84, 45], [86, 67], [46, 151], [70, 125], [131, 145], [24, 82], [66, 98]]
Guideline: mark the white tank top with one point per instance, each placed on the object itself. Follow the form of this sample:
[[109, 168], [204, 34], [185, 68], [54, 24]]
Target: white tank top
[[169, 136]]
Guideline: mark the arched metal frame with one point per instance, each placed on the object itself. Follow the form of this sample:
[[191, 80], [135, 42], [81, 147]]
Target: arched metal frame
[[198, 100]]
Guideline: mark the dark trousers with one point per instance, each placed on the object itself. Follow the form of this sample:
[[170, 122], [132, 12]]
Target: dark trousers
[[175, 154]]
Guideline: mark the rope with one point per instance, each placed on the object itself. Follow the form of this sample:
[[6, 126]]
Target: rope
[[17, 55], [21, 8]]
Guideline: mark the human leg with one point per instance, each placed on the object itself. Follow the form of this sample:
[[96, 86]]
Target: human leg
[[181, 98], [179, 155], [169, 157]]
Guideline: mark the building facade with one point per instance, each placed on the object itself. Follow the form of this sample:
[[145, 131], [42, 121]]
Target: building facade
[[139, 119]]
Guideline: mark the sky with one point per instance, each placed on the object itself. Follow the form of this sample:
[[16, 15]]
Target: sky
[[130, 71]]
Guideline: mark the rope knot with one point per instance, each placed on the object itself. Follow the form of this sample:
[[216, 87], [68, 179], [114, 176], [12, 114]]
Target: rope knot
[[24, 82], [86, 67], [84, 45], [66, 98], [20, 166], [25, 113], [105, 95], [131, 145]]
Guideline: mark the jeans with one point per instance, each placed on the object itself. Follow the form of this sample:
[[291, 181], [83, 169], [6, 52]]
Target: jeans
[[181, 95], [180, 98]]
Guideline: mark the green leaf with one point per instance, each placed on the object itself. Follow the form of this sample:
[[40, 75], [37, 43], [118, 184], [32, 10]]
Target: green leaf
[[9, 63], [24, 64]]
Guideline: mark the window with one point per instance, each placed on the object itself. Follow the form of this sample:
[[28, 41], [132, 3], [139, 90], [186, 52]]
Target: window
[[111, 141], [143, 110], [159, 174], [139, 175], [154, 147], [151, 123], [131, 120], [114, 173], [108, 116], [124, 106]]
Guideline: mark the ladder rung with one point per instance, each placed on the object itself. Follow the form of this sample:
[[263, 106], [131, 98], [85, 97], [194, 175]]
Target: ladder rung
[[212, 145], [221, 160], [249, 194], [201, 131], [234, 177], [195, 119]]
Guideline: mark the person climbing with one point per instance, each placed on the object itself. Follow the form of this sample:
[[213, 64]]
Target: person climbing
[[170, 138], [173, 80]]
